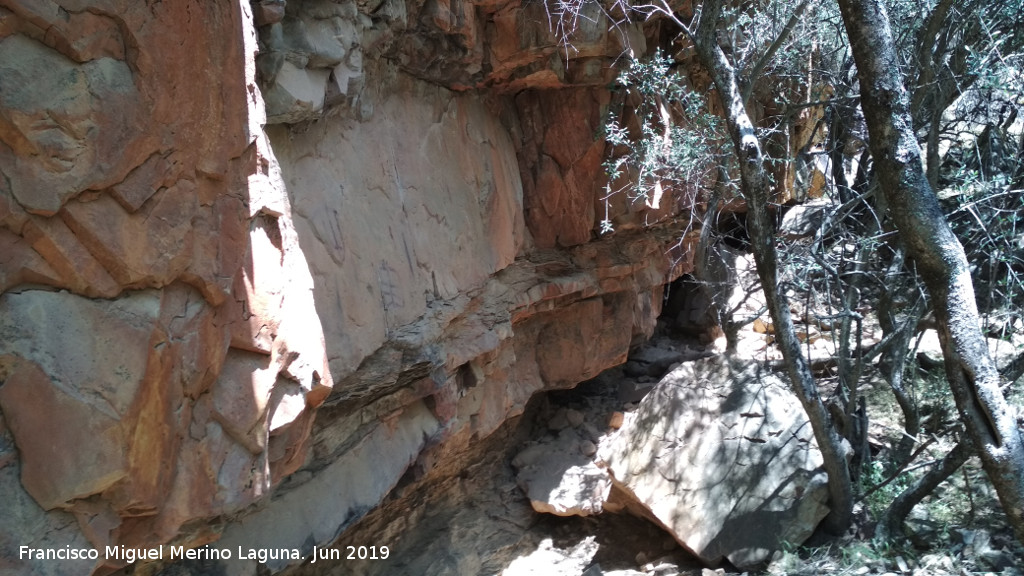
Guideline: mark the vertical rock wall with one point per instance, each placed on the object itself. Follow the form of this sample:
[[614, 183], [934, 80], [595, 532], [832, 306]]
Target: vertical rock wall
[[260, 262], [161, 356]]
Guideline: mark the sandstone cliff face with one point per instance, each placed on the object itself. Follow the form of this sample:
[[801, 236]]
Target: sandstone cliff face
[[257, 258]]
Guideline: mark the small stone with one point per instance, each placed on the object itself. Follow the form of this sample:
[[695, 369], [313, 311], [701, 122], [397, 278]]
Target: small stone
[[633, 368], [995, 559], [936, 562], [662, 568], [641, 558], [559, 421], [761, 327], [588, 448], [529, 456], [616, 420], [268, 13], [575, 417]]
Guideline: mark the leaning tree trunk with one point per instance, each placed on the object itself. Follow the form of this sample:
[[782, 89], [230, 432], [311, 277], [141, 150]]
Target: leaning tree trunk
[[973, 378], [755, 183]]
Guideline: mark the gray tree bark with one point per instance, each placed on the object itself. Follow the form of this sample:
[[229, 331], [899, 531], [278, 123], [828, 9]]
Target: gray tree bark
[[913, 206]]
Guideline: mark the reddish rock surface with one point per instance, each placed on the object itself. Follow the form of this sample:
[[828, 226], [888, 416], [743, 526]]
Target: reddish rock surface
[[132, 165], [198, 313]]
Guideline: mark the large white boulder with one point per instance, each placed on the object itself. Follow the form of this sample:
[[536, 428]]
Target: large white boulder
[[723, 457]]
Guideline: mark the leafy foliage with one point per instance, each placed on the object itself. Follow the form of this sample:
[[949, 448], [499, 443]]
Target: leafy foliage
[[665, 140]]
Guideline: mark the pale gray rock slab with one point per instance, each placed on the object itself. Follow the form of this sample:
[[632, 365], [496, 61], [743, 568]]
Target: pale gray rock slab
[[724, 458], [316, 512], [560, 479], [549, 560], [806, 219]]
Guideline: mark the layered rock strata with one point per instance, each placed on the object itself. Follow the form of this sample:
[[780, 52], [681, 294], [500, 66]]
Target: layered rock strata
[[261, 257]]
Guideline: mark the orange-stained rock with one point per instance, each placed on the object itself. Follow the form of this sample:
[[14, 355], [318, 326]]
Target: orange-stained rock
[[194, 343], [220, 244], [144, 181], [240, 397], [67, 256], [179, 290], [71, 126], [150, 247], [87, 114], [123, 422], [69, 448], [521, 54], [259, 289], [560, 162], [20, 264], [83, 36]]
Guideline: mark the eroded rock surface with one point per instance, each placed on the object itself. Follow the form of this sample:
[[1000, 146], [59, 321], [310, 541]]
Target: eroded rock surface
[[319, 53], [161, 358], [723, 457], [561, 478], [255, 256]]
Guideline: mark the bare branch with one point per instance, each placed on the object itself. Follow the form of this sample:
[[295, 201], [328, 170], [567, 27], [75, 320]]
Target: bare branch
[[762, 62]]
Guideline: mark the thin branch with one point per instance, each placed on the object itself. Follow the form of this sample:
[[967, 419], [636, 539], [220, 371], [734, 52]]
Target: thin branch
[[903, 469], [765, 58]]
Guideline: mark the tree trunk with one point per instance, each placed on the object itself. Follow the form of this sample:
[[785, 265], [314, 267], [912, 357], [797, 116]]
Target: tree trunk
[[991, 425], [755, 184]]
